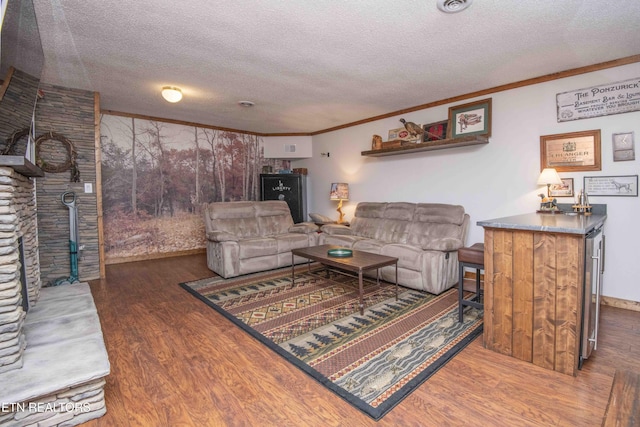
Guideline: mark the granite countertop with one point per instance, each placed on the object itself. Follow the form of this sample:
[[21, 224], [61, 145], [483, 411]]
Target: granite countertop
[[558, 223]]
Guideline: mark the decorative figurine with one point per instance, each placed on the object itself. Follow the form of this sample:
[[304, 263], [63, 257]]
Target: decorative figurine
[[548, 203], [414, 129], [376, 142]]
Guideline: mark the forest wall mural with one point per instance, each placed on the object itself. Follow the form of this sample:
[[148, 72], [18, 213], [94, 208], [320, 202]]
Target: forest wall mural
[[156, 175]]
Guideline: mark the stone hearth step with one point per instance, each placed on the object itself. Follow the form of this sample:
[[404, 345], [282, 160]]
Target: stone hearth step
[[61, 381]]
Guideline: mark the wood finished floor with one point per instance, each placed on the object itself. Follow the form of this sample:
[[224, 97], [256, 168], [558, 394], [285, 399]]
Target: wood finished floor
[[177, 362]]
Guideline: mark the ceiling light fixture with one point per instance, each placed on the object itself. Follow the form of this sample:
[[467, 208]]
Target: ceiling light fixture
[[171, 93], [246, 104], [453, 6]]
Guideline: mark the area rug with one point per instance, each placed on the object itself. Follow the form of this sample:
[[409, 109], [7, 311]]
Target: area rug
[[372, 360]]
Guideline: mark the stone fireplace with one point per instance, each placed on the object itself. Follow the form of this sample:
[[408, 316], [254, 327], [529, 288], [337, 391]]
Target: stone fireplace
[[53, 360], [17, 222]]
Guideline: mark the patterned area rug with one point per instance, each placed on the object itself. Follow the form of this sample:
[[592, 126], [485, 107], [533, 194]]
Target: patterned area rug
[[372, 360]]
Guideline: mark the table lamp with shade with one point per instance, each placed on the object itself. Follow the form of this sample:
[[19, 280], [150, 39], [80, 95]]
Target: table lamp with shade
[[547, 177], [340, 192]]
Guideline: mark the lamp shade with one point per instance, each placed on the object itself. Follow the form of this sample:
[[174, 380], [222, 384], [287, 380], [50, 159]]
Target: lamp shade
[[339, 191], [549, 176], [171, 93]]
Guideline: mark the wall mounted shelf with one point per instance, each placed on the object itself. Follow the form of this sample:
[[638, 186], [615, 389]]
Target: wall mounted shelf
[[21, 165], [428, 146]]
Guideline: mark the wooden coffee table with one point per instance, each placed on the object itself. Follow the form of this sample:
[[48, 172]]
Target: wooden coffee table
[[360, 262]]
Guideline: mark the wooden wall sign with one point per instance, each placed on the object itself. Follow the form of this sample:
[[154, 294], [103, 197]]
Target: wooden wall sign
[[604, 100], [569, 152]]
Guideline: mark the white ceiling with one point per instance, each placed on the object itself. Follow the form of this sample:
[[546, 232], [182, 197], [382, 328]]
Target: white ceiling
[[311, 65]]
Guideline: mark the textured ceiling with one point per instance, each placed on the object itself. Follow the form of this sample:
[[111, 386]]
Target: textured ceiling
[[313, 65]]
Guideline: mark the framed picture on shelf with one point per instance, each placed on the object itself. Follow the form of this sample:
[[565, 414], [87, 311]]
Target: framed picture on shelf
[[562, 190], [473, 118], [623, 185], [435, 131], [623, 147], [570, 152]]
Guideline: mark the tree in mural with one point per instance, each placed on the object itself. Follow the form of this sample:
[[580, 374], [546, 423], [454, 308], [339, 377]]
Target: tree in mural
[[195, 198], [156, 175], [119, 170], [212, 137], [134, 170], [152, 144]]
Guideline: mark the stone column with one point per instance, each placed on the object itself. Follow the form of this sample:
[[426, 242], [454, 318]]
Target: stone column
[[17, 219]]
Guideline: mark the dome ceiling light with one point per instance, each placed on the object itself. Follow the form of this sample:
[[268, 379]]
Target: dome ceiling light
[[453, 6], [172, 94]]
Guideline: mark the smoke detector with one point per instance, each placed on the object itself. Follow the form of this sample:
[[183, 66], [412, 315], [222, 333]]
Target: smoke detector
[[453, 6]]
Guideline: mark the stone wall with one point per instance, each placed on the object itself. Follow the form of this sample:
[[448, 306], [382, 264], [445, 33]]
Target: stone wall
[[68, 112], [68, 407], [16, 108], [17, 219]]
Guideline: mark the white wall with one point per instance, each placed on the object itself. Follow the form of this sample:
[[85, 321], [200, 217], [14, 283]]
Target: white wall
[[275, 147], [493, 180]]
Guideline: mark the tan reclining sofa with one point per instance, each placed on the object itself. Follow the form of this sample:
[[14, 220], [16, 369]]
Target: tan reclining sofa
[[246, 237], [425, 237]]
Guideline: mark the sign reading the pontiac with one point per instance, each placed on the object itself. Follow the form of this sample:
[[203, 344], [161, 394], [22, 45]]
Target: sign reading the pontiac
[[613, 98]]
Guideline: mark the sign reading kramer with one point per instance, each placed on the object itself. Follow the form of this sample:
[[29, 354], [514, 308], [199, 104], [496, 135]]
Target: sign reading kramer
[[613, 98]]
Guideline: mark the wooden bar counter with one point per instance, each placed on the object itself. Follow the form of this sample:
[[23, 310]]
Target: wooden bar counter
[[534, 284]]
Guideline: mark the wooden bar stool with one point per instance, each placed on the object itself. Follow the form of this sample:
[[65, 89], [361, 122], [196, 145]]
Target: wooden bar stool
[[472, 257]]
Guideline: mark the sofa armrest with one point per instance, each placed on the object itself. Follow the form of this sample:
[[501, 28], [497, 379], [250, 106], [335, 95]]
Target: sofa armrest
[[336, 229], [221, 236], [443, 244], [303, 228]]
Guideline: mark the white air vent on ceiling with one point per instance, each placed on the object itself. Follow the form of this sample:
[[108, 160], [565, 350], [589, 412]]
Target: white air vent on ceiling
[[453, 6], [289, 148]]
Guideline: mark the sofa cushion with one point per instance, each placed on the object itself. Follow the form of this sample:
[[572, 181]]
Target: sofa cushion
[[368, 218], [408, 256], [370, 210], [437, 227], [231, 210], [336, 229], [286, 242], [231, 219], [369, 245], [273, 217], [271, 208], [303, 227], [241, 228], [261, 246], [439, 213], [387, 222], [436, 237], [399, 210], [343, 240]]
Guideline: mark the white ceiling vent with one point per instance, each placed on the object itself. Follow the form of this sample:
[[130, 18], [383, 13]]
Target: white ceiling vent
[[453, 6], [289, 148]]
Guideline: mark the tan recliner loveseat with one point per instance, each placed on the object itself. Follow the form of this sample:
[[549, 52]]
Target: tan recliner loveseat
[[425, 237], [246, 237]]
